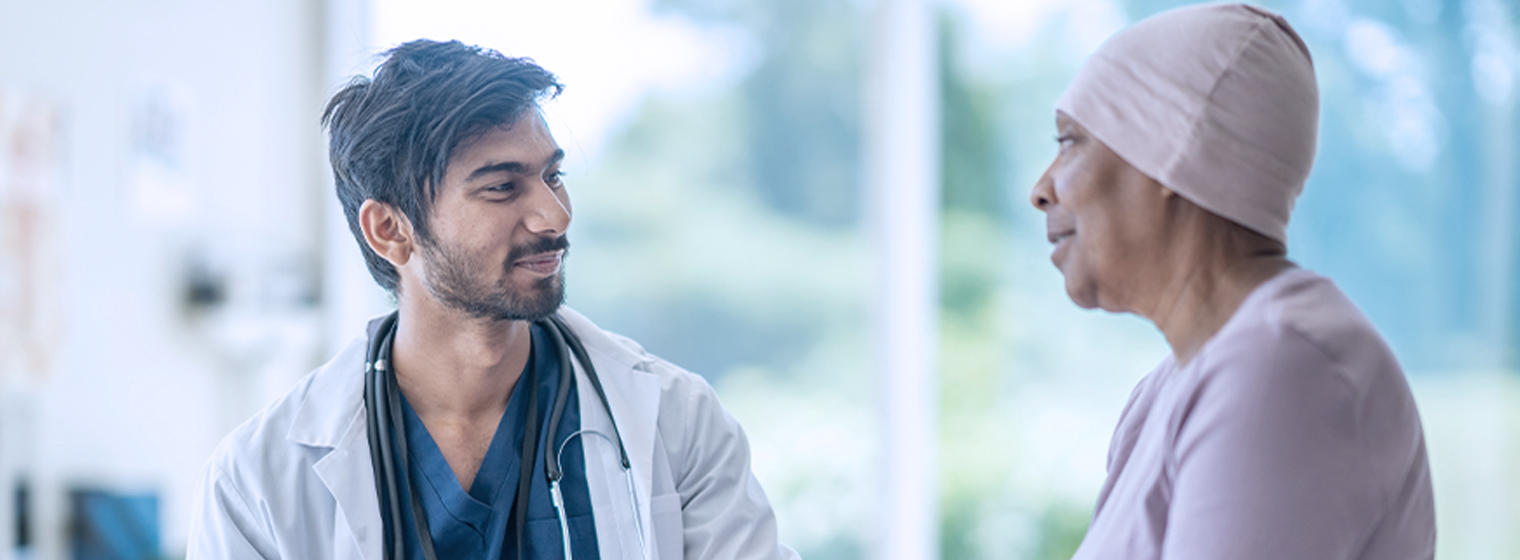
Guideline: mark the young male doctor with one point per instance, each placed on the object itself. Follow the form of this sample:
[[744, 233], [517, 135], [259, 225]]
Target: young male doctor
[[483, 419]]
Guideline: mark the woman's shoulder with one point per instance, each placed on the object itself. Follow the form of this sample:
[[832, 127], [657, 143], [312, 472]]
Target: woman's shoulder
[[1301, 322]]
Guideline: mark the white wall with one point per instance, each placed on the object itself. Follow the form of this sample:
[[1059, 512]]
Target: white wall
[[140, 391]]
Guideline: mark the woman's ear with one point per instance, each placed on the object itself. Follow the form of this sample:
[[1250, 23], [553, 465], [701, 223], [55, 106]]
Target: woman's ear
[[387, 231]]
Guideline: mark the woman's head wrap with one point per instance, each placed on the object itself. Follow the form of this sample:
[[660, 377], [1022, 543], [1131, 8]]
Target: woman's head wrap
[[1217, 102]]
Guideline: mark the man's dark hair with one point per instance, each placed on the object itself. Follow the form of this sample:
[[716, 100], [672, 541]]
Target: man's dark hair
[[390, 136]]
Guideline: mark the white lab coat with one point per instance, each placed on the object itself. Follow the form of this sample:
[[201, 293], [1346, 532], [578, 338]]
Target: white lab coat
[[296, 481]]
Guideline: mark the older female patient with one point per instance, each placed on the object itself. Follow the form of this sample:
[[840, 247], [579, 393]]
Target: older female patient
[[1280, 426]]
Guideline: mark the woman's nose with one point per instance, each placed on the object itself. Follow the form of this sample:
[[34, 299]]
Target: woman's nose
[[1044, 193]]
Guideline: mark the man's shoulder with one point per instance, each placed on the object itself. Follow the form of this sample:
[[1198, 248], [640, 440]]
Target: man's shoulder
[[261, 441], [625, 350], [285, 429]]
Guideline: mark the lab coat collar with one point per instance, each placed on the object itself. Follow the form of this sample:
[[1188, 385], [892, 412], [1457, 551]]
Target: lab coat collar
[[606, 352], [334, 398], [331, 415]]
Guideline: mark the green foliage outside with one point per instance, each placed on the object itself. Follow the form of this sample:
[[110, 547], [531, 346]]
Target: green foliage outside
[[723, 231]]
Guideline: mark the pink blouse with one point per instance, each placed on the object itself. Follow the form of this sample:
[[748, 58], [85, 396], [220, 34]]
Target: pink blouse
[[1291, 434]]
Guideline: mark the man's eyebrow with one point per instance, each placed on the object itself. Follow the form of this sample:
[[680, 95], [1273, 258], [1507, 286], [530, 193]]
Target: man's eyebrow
[[502, 167], [512, 166]]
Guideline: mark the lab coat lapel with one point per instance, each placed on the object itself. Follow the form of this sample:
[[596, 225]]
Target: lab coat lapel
[[633, 394], [348, 474], [332, 415]]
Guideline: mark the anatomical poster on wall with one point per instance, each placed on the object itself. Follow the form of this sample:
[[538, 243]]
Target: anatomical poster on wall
[[31, 177]]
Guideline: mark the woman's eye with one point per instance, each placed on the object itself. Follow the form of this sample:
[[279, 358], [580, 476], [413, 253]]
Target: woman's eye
[[1065, 142]]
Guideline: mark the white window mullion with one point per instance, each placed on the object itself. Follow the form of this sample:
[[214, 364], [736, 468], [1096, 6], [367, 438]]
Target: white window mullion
[[902, 193]]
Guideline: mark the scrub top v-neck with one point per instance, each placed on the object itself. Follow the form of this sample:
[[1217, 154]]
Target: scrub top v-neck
[[481, 523]]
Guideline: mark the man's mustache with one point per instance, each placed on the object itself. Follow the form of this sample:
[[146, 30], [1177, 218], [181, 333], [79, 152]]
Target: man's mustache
[[537, 246]]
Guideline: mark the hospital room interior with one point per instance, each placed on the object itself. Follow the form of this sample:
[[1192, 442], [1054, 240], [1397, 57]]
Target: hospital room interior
[[824, 216]]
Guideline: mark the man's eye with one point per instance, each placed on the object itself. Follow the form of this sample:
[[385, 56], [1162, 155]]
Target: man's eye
[[555, 179], [504, 187], [1065, 139]]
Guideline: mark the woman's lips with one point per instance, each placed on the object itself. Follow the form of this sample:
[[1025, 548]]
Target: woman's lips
[[1061, 243]]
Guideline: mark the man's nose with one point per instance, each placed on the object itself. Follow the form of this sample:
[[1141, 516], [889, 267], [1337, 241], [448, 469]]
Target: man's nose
[[547, 214]]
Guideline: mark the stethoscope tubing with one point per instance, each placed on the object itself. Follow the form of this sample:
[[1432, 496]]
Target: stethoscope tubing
[[382, 421], [382, 401]]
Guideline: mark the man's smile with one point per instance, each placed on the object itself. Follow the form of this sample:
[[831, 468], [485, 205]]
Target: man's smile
[[544, 264]]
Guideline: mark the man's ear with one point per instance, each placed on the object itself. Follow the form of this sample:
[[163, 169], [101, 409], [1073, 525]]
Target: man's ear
[[387, 231]]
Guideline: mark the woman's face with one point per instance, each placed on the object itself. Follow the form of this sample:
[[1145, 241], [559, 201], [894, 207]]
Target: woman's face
[[1107, 221]]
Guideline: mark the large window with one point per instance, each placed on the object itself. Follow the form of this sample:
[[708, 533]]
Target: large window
[[717, 174]]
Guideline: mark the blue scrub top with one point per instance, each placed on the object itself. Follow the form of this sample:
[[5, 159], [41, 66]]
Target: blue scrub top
[[481, 523]]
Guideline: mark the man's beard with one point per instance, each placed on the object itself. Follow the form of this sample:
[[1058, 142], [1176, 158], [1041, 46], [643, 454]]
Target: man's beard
[[449, 279]]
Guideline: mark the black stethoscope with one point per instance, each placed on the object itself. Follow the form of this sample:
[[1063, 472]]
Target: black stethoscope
[[382, 402]]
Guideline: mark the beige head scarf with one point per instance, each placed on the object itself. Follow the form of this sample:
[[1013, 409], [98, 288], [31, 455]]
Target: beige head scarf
[[1217, 102]]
